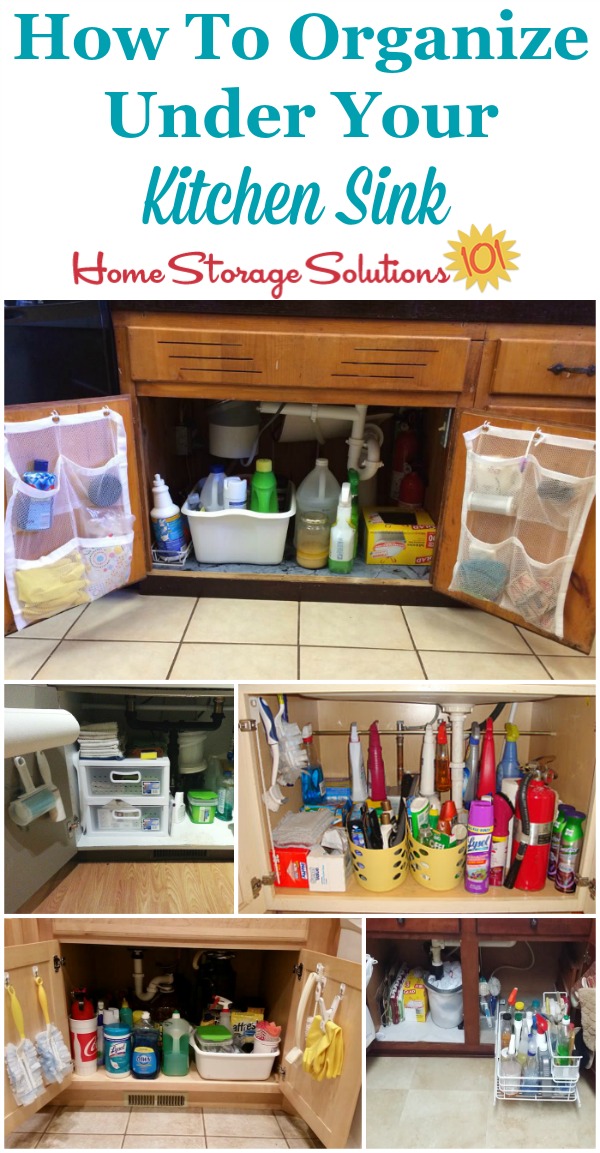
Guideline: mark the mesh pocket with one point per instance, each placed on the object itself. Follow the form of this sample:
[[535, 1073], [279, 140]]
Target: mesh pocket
[[524, 510], [107, 564]]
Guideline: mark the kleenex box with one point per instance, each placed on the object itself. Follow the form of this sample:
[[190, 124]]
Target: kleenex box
[[328, 872], [394, 536]]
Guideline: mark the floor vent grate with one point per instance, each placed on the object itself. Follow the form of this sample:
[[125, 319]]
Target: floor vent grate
[[156, 1100]]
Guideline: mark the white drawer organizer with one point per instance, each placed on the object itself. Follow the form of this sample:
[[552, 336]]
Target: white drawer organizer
[[124, 800]]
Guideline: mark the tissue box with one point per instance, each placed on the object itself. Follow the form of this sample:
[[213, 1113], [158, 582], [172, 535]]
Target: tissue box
[[328, 873], [415, 994], [293, 867], [393, 536]]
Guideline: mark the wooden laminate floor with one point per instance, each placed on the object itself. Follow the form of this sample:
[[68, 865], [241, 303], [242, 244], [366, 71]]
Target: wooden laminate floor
[[140, 887]]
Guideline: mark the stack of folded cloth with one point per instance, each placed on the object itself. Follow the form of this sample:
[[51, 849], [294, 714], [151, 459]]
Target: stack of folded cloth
[[304, 828], [100, 742]]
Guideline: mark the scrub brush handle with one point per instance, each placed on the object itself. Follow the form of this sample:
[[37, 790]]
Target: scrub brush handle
[[17, 1012], [42, 998]]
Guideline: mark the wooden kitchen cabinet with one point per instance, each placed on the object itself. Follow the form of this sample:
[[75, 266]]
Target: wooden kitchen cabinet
[[560, 719], [285, 963], [172, 366], [472, 933]]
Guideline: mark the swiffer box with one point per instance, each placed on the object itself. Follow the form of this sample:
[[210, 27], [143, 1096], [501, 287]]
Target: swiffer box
[[328, 873], [394, 536], [292, 866]]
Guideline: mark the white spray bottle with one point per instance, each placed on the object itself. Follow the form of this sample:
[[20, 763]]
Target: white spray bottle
[[360, 791], [427, 783]]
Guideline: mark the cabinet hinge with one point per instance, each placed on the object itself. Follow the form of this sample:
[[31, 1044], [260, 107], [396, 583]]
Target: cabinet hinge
[[298, 970], [281, 1073], [247, 726], [58, 963], [588, 883], [257, 883]]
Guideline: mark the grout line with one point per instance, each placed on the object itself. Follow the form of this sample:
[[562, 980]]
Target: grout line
[[45, 661], [413, 643]]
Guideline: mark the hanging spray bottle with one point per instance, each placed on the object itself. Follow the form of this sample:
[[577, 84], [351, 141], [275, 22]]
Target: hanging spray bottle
[[360, 791], [375, 766]]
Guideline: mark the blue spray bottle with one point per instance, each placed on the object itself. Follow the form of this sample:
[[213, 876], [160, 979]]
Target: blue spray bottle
[[508, 765]]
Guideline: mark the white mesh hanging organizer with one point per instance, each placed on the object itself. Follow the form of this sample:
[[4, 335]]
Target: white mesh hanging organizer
[[72, 543], [525, 505]]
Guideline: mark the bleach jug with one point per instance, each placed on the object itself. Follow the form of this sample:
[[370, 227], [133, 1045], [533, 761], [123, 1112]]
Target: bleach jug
[[176, 1047], [318, 492], [212, 491]]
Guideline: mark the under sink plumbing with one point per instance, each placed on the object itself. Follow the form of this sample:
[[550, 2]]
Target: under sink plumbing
[[163, 984]]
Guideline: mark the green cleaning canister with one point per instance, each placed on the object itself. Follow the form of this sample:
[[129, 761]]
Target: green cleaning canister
[[569, 853], [117, 1050], [202, 807], [263, 488]]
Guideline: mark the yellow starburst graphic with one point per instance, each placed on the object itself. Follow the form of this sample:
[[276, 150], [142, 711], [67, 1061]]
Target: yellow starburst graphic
[[481, 257]]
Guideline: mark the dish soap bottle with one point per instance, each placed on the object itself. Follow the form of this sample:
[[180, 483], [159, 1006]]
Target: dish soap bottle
[[145, 1063], [341, 541], [263, 489], [176, 1049], [170, 530]]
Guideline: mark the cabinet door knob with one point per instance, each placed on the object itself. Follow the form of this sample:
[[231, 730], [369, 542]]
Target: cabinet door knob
[[400, 920], [557, 369], [533, 922]]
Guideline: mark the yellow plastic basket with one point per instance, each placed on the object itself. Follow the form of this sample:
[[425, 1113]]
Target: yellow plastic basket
[[380, 870], [437, 868]]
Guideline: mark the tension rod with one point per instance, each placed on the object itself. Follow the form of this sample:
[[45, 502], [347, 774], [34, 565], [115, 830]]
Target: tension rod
[[413, 732]]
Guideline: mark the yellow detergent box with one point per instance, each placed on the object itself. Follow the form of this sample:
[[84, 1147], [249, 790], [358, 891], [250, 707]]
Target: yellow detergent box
[[246, 1022], [395, 536], [415, 994]]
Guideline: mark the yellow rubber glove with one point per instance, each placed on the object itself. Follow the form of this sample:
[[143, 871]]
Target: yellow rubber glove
[[49, 588], [317, 1041], [334, 1058]]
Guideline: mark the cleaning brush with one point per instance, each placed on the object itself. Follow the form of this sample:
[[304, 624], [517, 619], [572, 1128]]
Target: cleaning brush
[[51, 1049], [23, 1068]]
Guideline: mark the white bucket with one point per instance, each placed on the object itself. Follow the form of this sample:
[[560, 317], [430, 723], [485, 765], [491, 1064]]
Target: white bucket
[[445, 1005], [84, 1038], [191, 751], [232, 429]]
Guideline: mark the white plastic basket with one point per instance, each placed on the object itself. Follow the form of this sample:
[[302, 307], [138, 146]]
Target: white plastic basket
[[239, 536], [233, 1066]]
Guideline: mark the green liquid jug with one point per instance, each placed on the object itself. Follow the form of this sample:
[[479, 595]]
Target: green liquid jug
[[263, 489], [176, 1046]]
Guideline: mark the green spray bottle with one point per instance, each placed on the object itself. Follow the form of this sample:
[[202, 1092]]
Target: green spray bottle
[[353, 481]]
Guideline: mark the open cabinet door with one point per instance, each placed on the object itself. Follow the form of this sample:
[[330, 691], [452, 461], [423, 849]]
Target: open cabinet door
[[19, 961], [139, 547], [508, 542], [255, 896], [327, 1106]]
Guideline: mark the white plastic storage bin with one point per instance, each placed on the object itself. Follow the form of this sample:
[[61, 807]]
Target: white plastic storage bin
[[239, 536], [233, 1066], [123, 818], [128, 778]]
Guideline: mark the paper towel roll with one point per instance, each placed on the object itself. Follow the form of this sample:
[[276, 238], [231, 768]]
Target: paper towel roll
[[491, 502], [31, 730]]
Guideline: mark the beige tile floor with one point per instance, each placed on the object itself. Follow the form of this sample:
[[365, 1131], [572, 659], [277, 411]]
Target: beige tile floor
[[127, 636], [447, 1103], [71, 1127]]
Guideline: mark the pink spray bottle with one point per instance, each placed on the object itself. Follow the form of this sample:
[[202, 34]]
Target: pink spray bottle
[[375, 766]]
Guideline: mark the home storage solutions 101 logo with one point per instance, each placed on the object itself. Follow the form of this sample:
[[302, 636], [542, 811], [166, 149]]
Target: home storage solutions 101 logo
[[482, 258]]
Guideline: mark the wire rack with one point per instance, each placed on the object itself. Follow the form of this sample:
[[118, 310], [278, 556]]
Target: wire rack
[[558, 1087]]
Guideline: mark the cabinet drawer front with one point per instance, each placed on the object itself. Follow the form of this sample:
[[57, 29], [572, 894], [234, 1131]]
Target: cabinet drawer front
[[544, 368], [570, 928], [402, 926], [244, 358], [197, 355], [389, 363]]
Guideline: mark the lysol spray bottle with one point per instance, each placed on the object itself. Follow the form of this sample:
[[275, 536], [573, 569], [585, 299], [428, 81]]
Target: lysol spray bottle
[[479, 846], [558, 827]]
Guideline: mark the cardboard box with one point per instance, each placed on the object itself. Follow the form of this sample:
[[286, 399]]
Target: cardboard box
[[292, 866], [415, 994], [393, 536], [328, 873]]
